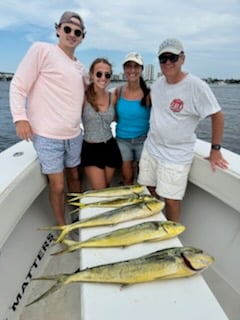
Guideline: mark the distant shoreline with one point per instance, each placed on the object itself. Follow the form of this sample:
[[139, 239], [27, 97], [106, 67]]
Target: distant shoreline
[[220, 81], [8, 77]]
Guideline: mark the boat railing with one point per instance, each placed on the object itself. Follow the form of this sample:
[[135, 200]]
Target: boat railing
[[18, 165], [224, 184]]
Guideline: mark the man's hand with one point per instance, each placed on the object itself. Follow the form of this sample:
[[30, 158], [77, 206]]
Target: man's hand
[[24, 130], [217, 160]]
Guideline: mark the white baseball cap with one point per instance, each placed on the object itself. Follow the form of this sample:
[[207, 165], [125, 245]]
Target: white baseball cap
[[170, 45], [135, 57]]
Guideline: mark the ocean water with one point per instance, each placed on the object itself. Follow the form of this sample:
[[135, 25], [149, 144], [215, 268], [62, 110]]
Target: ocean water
[[227, 95]]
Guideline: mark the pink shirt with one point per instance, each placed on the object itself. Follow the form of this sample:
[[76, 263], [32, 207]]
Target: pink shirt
[[48, 91]]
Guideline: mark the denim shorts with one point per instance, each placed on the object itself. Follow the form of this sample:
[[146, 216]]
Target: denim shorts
[[131, 149], [55, 154], [169, 179]]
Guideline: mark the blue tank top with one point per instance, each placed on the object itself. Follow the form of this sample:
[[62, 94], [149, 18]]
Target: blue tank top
[[132, 118]]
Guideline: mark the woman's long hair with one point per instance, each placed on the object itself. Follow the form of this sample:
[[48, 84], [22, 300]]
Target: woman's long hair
[[145, 101]]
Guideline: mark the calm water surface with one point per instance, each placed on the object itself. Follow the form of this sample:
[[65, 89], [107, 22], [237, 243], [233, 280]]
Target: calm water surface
[[227, 95]]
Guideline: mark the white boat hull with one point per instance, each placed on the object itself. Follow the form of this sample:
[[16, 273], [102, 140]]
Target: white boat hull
[[211, 213]]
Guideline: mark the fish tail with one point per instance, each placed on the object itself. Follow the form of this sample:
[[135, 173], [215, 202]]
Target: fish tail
[[69, 244], [62, 235], [66, 250], [60, 252], [75, 196], [75, 210], [52, 228], [61, 281], [65, 230]]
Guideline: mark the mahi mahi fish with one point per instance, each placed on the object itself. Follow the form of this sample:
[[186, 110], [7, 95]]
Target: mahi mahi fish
[[108, 192], [113, 203], [133, 211], [143, 232], [175, 262]]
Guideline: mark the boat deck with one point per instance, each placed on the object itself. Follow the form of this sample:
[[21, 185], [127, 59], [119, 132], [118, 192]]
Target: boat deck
[[219, 190], [63, 304], [66, 302]]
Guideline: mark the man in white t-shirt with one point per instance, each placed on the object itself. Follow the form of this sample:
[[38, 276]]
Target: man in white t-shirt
[[179, 101]]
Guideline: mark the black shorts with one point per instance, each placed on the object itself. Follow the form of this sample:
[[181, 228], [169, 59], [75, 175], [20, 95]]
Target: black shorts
[[101, 155]]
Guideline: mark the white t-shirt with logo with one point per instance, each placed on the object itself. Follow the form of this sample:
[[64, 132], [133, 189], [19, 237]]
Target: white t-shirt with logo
[[176, 111]]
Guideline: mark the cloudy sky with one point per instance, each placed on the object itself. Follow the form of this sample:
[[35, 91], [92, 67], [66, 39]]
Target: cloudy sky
[[208, 29]]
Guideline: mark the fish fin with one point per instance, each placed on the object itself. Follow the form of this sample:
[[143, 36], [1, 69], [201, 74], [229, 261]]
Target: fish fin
[[157, 239], [59, 284], [124, 285]]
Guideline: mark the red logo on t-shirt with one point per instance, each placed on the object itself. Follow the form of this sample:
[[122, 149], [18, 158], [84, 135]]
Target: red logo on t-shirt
[[176, 105]]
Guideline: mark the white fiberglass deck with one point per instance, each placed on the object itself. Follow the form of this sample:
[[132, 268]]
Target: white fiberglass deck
[[182, 299]]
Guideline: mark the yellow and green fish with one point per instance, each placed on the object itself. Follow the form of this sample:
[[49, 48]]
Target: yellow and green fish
[[171, 263], [112, 203], [134, 211], [143, 232], [118, 191]]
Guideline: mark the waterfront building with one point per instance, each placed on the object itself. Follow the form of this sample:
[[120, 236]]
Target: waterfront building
[[149, 72]]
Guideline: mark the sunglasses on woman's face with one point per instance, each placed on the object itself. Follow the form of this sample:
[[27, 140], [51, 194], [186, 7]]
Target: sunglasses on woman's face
[[77, 32], [107, 75], [163, 58]]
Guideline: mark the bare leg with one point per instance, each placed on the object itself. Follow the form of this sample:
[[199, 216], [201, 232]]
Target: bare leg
[[127, 172], [173, 209], [73, 180], [109, 172], [57, 196], [96, 177], [153, 192], [73, 185]]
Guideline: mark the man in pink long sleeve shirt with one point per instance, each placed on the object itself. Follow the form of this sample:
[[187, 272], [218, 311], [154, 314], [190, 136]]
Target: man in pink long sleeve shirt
[[46, 98]]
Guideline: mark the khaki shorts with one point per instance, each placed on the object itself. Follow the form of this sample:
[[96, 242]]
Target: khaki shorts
[[169, 179]]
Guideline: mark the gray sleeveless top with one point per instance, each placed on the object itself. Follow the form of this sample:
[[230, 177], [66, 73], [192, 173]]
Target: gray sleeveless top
[[96, 125]]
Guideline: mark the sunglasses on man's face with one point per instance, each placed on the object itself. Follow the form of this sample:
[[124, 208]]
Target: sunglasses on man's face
[[107, 75], [77, 32], [163, 58]]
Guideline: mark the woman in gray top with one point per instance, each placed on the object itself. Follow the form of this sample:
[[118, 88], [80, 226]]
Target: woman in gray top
[[100, 153]]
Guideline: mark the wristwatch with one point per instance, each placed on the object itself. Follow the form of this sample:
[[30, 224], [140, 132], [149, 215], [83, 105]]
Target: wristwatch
[[216, 146]]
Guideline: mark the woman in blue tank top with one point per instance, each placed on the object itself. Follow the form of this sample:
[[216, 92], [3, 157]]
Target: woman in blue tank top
[[133, 112]]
